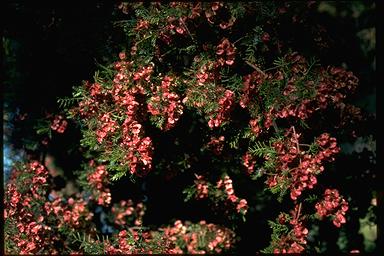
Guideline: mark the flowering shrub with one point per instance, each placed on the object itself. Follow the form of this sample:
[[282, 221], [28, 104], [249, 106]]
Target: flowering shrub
[[37, 216], [232, 108]]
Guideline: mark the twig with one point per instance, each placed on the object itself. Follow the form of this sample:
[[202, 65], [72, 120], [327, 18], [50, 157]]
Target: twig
[[255, 67], [279, 66], [297, 141], [189, 33], [145, 38], [298, 212], [238, 40], [275, 126]]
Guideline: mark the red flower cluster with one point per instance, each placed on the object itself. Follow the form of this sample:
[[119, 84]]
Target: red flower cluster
[[108, 126], [249, 162], [207, 73], [72, 213], [126, 214], [255, 126], [206, 84], [187, 238], [76, 213], [139, 149], [141, 25], [216, 145], [294, 241], [95, 89], [221, 114], [298, 170], [226, 51], [177, 239], [98, 181], [59, 124], [143, 73], [126, 241], [241, 204], [331, 88], [332, 205], [176, 25], [179, 25], [201, 187], [328, 146], [250, 89], [334, 86], [212, 15], [26, 189], [165, 105], [108, 106]]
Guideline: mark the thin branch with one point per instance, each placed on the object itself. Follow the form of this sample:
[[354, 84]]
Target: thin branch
[[238, 40], [298, 212], [275, 126], [255, 67], [297, 141], [186, 28], [279, 66]]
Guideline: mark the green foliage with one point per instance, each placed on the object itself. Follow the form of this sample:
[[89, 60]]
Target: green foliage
[[261, 149], [189, 192], [278, 230], [88, 244], [253, 44]]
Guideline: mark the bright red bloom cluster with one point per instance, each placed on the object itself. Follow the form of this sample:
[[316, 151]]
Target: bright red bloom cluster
[[250, 90], [98, 181], [212, 15], [255, 126], [76, 212], [186, 237], [294, 241], [299, 169], [72, 213], [142, 25], [221, 114], [226, 51], [302, 97], [332, 88], [328, 146], [241, 204], [59, 124], [206, 74], [108, 126], [165, 104], [201, 187], [125, 213], [249, 162], [139, 149], [176, 25], [216, 145], [95, 89], [126, 240], [25, 189], [115, 110], [177, 239], [205, 78], [143, 73], [333, 205]]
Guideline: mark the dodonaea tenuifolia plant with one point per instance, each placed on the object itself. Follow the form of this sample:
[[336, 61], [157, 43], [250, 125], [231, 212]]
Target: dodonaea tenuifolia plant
[[253, 101]]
